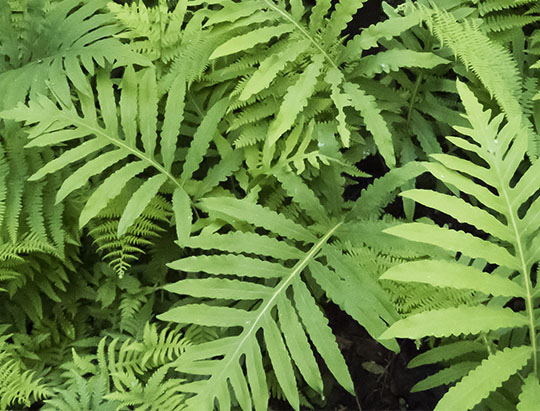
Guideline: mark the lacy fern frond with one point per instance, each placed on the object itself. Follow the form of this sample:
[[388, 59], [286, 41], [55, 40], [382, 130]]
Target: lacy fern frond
[[18, 385], [154, 31], [121, 251], [476, 51]]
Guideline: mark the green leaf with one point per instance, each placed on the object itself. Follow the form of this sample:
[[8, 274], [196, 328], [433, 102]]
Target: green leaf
[[139, 201], [206, 315], [395, 59], [181, 204], [487, 377], [298, 344], [271, 66], [109, 189], [257, 377], [445, 376], [128, 105], [455, 321], [148, 110], [370, 36], [457, 241], [202, 138], [219, 288], [82, 175], [250, 243], [174, 114], [68, 157], [375, 123], [463, 212], [321, 334], [530, 395], [258, 216], [236, 265], [251, 39], [293, 103], [281, 363], [440, 273], [446, 352]]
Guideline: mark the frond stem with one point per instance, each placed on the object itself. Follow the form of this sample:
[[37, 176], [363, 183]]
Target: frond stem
[[119, 143]]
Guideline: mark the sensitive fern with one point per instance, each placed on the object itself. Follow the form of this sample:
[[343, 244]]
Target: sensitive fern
[[506, 216]]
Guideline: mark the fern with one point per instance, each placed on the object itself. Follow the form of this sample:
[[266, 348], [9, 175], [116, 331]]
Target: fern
[[282, 306], [58, 43], [18, 385], [506, 217], [114, 145]]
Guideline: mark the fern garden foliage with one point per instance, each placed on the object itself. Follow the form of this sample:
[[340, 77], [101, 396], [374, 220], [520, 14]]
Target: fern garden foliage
[[172, 214]]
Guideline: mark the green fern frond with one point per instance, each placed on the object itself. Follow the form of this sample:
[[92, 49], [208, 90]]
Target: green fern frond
[[111, 143], [60, 42], [18, 385], [121, 251], [513, 249], [274, 270], [476, 51]]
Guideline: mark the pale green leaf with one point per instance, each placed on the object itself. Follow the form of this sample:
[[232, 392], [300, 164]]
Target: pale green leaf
[[456, 241], [270, 68], [251, 243], [465, 184], [148, 110], [321, 334], [395, 59], [139, 201], [441, 273], [281, 361], [82, 175], [202, 138], [374, 121], [68, 157], [256, 377], [445, 376], [181, 204], [109, 189], [455, 321], [219, 288], [210, 316], [240, 388], [107, 103], [237, 265], [487, 377], [174, 114], [257, 215], [57, 137], [529, 399], [251, 39], [462, 212], [293, 103], [370, 36], [128, 105], [446, 352], [298, 344]]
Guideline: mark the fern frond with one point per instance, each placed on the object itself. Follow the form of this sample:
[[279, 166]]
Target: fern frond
[[282, 321], [59, 44], [107, 145], [513, 245]]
